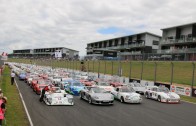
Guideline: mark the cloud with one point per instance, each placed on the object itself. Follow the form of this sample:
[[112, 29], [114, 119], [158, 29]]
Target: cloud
[[74, 23]]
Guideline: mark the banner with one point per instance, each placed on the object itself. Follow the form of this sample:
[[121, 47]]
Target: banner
[[58, 54], [126, 80], [147, 83], [181, 90]]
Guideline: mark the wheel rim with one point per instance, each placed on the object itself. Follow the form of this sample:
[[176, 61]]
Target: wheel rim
[[81, 95], [146, 95], [121, 100], [89, 100], [159, 99]]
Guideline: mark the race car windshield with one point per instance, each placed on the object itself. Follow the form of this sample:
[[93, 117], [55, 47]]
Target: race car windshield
[[127, 90], [41, 82], [137, 85], [163, 89], [56, 90], [98, 90], [56, 77], [48, 82], [77, 84], [104, 84]]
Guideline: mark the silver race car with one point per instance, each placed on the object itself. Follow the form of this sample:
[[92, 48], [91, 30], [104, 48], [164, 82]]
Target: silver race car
[[96, 95]]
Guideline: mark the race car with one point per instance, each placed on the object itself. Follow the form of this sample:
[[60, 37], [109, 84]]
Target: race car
[[96, 95], [58, 97], [137, 87], [22, 75], [104, 85], [115, 81], [126, 94], [161, 94], [74, 87]]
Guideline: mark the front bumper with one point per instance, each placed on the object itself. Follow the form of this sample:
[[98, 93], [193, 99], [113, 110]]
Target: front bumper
[[103, 102]]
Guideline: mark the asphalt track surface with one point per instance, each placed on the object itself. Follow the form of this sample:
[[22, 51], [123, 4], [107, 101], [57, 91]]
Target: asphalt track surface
[[149, 113]]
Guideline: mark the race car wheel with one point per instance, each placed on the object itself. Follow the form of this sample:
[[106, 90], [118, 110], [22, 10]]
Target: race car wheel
[[146, 95], [159, 98], [122, 99], [89, 100], [81, 97]]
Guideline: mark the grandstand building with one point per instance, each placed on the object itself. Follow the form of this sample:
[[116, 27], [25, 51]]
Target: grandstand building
[[179, 42], [127, 47], [45, 53]]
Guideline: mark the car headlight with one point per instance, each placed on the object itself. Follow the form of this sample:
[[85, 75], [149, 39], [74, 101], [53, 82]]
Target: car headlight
[[70, 100], [127, 96]]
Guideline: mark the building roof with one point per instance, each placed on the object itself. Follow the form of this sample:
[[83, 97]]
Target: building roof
[[179, 26], [47, 48], [127, 36]]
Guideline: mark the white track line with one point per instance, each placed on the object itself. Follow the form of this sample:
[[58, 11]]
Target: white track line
[[30, 121]]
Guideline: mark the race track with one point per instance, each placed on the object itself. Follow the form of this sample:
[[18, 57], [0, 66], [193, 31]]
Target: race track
[[149, 113]]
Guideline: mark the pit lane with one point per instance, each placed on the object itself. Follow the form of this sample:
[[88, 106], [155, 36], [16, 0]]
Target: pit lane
[[149, 113]]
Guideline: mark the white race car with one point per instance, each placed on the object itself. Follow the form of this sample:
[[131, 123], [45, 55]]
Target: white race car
[[162, 94], [126, 94], [137, 87], [105, 86], [58, 97]]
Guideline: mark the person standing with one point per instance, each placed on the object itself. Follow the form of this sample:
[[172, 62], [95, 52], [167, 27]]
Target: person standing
[[3, 101], [46, 88], [12, 77]]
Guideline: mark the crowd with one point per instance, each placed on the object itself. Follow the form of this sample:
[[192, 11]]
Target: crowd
[[3, 101]]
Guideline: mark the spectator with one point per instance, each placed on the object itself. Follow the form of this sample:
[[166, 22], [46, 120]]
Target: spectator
[[3, 101], [12, 77], [46, 88], [1, 93]]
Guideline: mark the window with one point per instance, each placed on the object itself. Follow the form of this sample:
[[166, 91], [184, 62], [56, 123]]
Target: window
[[155, 42]]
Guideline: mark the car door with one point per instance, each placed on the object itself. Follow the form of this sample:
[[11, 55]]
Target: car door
[[154, 93]]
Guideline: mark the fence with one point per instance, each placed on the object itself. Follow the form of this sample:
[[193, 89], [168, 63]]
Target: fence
[[165, 72]]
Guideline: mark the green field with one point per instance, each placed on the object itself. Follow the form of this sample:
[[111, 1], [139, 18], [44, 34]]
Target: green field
[[182, 71], [15, 114]]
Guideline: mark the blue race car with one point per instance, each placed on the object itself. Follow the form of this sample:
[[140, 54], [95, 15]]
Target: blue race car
[[74, 87], [22, 76]]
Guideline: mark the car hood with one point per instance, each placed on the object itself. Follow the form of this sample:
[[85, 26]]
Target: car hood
[[131, 94], [103, 96], [170, 95]]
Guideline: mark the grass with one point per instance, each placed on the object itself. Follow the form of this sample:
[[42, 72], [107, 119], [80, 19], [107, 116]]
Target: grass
[[182, 71], [15, 114], [187, 98]]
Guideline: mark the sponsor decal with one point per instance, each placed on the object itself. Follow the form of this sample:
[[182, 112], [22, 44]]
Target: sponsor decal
[[172, 88], [187, 91], [181, 90], [147, 83]]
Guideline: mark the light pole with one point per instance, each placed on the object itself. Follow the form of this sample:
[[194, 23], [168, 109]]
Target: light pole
[[119, 64]]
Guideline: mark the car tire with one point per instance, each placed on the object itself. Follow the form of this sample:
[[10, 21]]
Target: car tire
[[89, 100], [146, 95], [159, 98], [122, 100], [81, 97]]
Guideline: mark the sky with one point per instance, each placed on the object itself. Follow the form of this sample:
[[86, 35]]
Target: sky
[[28, 24]]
